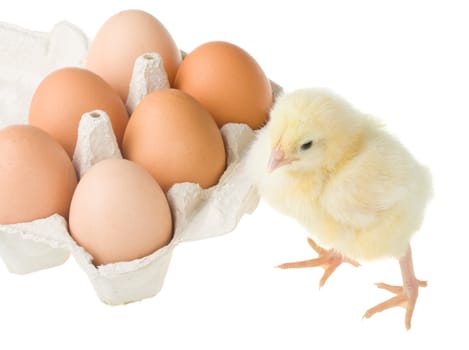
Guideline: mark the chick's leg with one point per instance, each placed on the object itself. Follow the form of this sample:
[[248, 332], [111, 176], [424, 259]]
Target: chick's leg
[[406, 295], [328, 259]]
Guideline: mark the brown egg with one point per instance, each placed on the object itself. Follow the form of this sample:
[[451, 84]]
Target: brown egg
[[119, 213], [64, 95], [175, 139], [37, 178], [122, 39], [228, 82]]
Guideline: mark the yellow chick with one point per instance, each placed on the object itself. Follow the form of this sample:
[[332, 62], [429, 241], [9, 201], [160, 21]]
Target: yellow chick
[[352, 185]]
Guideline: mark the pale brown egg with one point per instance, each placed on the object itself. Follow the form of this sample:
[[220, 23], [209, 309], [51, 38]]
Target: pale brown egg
[[37, 178], [64, 95], [175, 139], [228, 82], [119, 213], [122, 39]]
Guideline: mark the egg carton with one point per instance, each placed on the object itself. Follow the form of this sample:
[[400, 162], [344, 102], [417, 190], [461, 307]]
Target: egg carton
[[27, 57], [197, 213]]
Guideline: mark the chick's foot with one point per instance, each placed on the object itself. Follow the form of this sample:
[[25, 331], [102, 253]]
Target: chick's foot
[[406, 295], [328, 259]]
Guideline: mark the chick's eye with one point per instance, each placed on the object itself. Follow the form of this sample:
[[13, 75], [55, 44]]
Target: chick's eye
[[306, 145]]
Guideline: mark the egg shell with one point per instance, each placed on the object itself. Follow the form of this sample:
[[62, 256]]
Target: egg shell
[[119, 212], [228, 82], [124, 37], [37, 178], [175, 139], [64, 95]]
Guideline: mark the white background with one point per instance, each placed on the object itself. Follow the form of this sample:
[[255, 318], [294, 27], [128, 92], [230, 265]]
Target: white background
[[403, 61]]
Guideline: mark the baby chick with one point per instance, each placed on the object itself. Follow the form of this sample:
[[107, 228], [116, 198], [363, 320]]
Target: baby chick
[[352, 185]]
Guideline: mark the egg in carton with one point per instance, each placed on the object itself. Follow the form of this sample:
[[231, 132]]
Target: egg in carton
[[197, 213]]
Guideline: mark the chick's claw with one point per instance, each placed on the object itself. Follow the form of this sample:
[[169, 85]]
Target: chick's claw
[[406, 295], [328, 259]]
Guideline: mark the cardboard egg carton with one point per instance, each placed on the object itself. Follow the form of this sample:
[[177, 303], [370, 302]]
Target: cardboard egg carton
[[197, 213], [26, 57]]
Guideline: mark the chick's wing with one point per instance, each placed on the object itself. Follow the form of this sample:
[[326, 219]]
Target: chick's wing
[[373, 181]]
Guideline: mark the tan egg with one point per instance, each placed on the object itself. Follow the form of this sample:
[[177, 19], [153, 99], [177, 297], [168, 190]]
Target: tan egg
[[122, 39], [228, 82], [119, 213], [175, 139], [37, 178], [64, 95]]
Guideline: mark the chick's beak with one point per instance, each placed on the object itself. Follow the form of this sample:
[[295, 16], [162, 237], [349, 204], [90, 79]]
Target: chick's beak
[[277, 159]]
